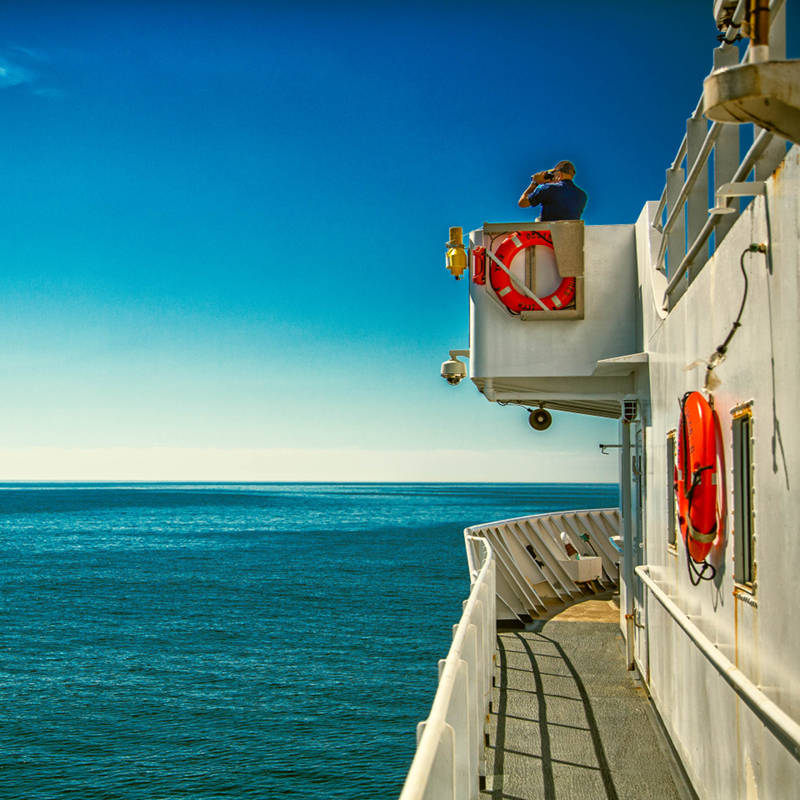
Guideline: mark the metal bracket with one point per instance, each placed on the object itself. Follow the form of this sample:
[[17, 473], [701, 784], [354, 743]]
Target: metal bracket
[[736, 189]]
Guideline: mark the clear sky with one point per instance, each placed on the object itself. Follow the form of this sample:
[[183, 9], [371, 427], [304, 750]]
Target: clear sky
[[223, 224]]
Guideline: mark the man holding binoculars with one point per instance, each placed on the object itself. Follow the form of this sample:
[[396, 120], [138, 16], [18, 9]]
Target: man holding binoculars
[[554, 190]]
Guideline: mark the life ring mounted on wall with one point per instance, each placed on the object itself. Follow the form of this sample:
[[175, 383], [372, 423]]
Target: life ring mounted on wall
[[699, 477], [510, 296]]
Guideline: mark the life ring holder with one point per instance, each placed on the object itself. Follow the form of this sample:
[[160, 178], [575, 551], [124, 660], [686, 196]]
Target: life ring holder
[[510, 290]]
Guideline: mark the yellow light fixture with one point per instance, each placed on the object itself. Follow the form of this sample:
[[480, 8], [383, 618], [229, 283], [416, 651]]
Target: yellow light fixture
[[456, 257]]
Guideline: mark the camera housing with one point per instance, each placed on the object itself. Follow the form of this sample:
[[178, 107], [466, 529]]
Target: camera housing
[[454, 371], [549, 175]]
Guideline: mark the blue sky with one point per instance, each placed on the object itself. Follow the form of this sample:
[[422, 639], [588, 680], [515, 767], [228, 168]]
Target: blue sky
[[224, 224]]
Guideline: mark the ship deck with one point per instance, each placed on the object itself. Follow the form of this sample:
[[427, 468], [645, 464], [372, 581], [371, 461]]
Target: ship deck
[[569, 721]]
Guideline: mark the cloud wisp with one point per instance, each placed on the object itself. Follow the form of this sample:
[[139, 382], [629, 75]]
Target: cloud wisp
[[12, 74], [30, 53], [17, 72]]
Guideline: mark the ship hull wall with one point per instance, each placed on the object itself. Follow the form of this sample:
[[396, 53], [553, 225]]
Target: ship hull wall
[[726, 750]]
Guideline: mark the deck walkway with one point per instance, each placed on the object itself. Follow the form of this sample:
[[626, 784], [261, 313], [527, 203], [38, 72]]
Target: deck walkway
[[569, 721]]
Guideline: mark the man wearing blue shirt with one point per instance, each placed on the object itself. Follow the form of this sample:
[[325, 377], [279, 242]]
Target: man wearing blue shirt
[[554, 190]]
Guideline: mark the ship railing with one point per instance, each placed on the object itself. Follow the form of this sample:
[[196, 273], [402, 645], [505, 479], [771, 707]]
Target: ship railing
[[698, 183], [449, 761], [545, 561], [785, 729]]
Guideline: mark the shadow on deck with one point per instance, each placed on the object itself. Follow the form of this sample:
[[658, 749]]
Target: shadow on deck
[[569, 721]]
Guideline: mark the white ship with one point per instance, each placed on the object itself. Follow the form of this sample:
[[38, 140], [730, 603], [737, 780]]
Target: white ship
[[684, 326]]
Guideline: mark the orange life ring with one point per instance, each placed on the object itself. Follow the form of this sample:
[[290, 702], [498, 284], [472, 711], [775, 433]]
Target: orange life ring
[[514, 300], [699, 477]]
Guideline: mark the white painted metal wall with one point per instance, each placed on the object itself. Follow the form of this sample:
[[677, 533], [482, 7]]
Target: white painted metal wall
[[502, 345], [727, 750]]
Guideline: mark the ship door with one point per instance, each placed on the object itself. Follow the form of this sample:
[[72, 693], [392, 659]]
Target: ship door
[[638, 487], [632, 484]]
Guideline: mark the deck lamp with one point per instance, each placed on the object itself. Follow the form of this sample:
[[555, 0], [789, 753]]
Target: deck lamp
[[540, 418], [456, 256]]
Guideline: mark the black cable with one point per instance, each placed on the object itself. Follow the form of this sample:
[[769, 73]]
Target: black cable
[[737, 323], [698, 569], [722, 349]]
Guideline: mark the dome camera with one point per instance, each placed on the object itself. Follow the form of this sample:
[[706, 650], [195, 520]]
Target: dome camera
[[454, 371]]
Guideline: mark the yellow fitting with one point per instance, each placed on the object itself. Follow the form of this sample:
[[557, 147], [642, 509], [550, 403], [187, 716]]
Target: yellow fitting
[[456, 257]]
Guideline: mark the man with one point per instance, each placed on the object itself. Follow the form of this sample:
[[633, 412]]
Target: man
[[559, 197]]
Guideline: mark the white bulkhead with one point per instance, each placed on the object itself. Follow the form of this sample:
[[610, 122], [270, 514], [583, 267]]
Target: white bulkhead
[[726, 749], [504, 345]]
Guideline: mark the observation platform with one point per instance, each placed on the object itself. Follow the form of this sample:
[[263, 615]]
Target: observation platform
[[580, 355], [569, 721]]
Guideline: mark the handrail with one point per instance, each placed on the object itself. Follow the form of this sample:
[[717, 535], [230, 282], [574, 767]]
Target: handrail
[[748, 162], [662, 201], [533, 564], [676, 209], [450, 741], [679, 156], [775, 719], [736, 23], [694, 173]]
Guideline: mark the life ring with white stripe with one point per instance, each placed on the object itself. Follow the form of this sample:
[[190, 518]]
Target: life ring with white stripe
[[699, 479], [514, 300]]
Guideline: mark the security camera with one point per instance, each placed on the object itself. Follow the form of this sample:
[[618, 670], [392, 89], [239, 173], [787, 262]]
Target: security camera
[[454, 371]]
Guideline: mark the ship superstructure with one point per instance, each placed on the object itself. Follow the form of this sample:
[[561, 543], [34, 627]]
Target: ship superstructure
[[699, 295]]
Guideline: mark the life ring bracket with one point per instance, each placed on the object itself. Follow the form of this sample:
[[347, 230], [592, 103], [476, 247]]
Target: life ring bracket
[[565, 302]]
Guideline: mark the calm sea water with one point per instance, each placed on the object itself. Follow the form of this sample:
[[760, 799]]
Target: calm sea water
[[231, 641]]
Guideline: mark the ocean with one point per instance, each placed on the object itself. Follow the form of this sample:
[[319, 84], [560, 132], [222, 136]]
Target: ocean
[[203, 641]]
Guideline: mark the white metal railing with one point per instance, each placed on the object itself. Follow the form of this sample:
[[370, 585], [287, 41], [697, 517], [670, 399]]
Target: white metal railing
[[450, 757], [775, 719], [707, 158], [534, 570]]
